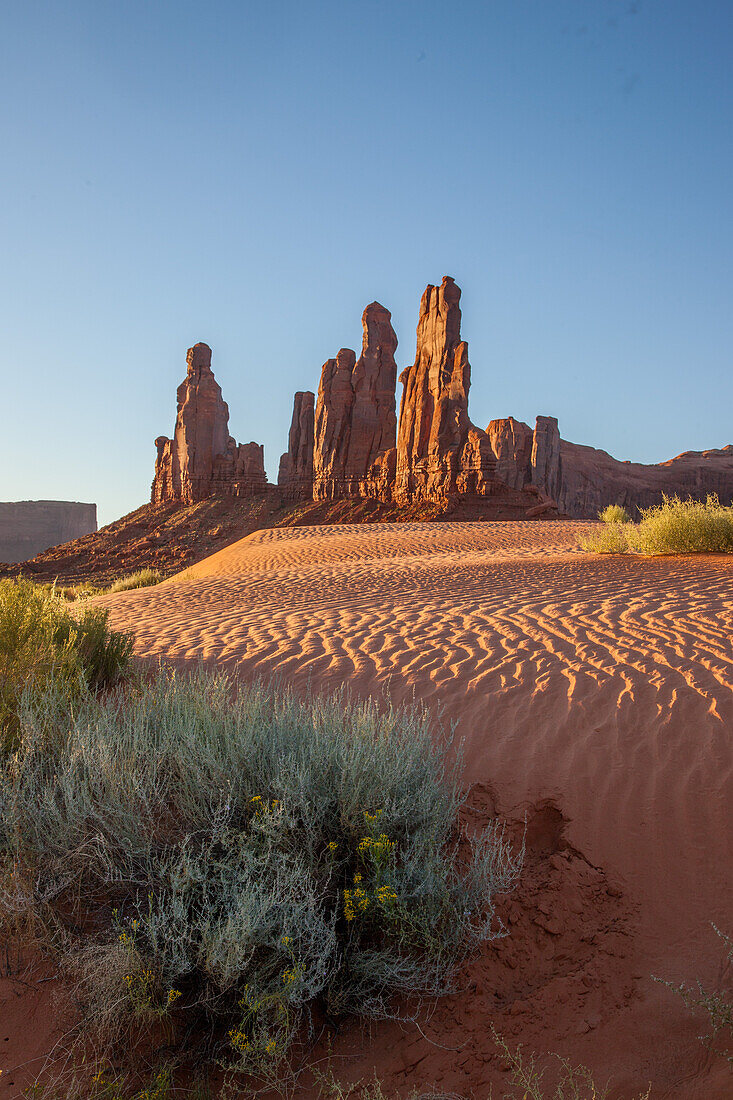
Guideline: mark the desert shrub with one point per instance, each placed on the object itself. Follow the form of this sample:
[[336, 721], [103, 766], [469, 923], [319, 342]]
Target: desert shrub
[[142, 579], [239, 858], [43, 647], [718, 1005], [609, 539], [526, 1078], [105, 1084], [684, 527], [615, 513], [673, 527]]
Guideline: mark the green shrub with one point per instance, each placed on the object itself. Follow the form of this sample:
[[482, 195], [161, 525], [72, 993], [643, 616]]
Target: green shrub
[[142, 579], [609, 539], [673, 527], [43, 647], [615, 513], [684, 527], [238, 859]]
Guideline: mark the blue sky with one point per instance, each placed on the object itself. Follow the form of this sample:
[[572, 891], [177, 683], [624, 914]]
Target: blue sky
[[253, 174]]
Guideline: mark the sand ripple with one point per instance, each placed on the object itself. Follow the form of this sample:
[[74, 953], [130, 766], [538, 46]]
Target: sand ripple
[[603, 684]]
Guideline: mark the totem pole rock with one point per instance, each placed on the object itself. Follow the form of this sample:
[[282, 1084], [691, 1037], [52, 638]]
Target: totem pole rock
[[439, 451], [202, 459]]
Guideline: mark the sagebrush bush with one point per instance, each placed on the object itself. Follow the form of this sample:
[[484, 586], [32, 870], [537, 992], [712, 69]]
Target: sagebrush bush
[[239, 858], [615, 513], [44, 647], [609, 539], [673, 527], [684, 527], [142, 579]]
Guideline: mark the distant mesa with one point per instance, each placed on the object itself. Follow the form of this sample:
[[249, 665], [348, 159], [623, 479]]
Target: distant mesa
[[202, 459], [28, 527], [346, 441]]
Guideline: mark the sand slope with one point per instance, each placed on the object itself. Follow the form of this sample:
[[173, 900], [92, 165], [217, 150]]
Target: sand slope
[[595, 690]]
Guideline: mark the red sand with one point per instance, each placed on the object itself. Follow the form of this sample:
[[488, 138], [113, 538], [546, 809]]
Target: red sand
[[594, 695]]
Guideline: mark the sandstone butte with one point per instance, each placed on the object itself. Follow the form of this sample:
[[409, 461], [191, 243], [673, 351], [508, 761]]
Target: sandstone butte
[[347, 444], [202, 459]]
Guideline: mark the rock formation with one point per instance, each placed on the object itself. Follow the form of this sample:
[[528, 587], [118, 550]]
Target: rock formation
[[546, 473], [591, 479], [583, 480], [439, 452], [28, 527], [511, 442], [295, 476], [355, 422], [346, 444], [202, 459]]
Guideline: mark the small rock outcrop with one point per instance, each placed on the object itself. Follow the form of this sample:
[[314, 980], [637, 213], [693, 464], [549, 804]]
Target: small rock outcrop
[[355, 422], [295, 475], [202, 459], [439, 452]]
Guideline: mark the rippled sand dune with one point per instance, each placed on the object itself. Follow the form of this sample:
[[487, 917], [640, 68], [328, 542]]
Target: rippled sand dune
[[598, 687]]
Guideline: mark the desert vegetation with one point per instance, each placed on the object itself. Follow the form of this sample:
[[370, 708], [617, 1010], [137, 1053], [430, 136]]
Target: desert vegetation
[[233, 865], [716, 1004], [614, 513], [673, 527], [43, 648], [143, 578]]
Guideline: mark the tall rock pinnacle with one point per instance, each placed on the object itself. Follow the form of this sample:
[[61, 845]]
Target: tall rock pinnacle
[[202, 459], [439, 451], [355, 421], [295, 476]]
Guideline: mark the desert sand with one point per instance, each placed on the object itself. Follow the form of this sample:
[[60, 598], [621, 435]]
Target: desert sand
[[594, 697]]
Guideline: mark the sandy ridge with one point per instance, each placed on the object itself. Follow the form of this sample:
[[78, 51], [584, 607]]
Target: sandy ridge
[[603, 685]]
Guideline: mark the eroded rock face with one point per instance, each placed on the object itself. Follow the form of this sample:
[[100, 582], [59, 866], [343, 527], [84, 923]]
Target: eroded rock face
[[202, 459], [583, 480], [355, 421], [545, 460], [295, 476], [592, 479], [511, 442], [439, 451]]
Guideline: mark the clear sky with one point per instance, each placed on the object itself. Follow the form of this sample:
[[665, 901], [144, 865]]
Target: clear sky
[[253, 174]]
